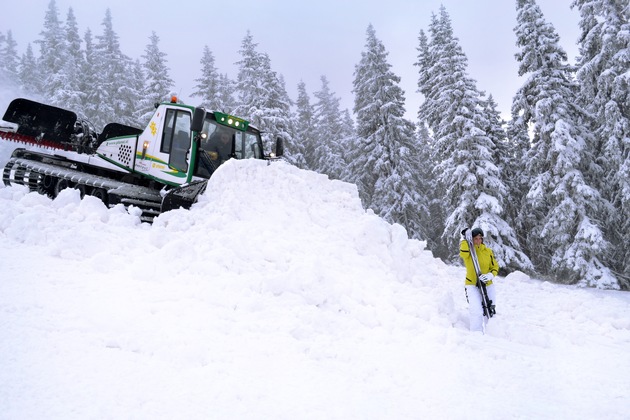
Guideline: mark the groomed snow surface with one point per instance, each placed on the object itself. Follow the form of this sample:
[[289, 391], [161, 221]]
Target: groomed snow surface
[[278, 297]]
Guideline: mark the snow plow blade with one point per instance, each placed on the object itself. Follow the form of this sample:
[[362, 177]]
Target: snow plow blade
[[45, 124], [184, 196]]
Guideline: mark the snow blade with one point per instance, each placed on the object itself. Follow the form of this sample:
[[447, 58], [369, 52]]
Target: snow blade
[[40, 121], [184, 196]]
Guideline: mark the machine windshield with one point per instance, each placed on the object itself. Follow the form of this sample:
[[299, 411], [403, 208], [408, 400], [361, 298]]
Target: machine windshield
[[222, 143], [228, 142]]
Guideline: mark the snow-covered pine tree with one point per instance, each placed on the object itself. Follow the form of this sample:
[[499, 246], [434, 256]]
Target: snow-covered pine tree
[[496, 132], [466, 177], [262, 96], [105, 55], [562, 211], [9, 60], [278, 121], [71, 97], [90, 80], [385, 156], [158, 84], [435, 211], [249, 82], [328, 156], [604, 77], [431, 225], [425, 64], [112, 76], [136, 89], [209, 84], [364, 154], [347, 141], [226, 94], [126, 107], [507, 158], [4, 76], [29, 77], [304, 129], [73, 39], [53, 56], [515, 176]]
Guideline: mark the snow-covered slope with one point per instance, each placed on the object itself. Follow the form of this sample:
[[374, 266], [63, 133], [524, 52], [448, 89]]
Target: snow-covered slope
[[278, 297]]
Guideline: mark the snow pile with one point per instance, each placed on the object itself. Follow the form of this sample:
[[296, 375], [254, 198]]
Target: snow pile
[[278, 296]]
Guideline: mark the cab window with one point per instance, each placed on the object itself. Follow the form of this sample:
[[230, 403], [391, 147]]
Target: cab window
[[176, 138]]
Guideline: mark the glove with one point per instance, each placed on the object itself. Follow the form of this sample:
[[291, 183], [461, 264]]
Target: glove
[[486, 277], [467, 234]]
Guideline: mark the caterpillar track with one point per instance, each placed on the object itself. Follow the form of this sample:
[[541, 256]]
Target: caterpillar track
[[48, 175]]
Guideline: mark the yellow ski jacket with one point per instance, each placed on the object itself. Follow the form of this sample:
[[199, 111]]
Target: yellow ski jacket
[[485, 256]]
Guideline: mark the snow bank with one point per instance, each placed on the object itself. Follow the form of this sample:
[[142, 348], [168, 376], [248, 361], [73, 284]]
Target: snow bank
[[278, 296]]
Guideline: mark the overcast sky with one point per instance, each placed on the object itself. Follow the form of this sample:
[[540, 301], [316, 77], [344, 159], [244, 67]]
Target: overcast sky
[[306, 40]]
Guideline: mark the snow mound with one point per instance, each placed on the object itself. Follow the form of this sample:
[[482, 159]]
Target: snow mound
[[278, 296]]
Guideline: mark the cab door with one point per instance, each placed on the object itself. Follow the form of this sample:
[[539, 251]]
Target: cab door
[[171, 148]]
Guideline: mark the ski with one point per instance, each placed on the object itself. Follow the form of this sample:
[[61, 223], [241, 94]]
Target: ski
[[486, 303]]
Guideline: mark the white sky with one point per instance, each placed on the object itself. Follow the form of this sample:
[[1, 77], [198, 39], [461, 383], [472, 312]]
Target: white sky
[[307, 39]]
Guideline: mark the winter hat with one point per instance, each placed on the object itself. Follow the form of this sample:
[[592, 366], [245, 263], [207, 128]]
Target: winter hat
[[477, 231]]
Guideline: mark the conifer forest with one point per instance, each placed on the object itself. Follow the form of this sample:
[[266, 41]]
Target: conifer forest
[[550, 187]]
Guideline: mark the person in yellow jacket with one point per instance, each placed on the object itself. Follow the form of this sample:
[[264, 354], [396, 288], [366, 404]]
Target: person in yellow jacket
[[489, 270]]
